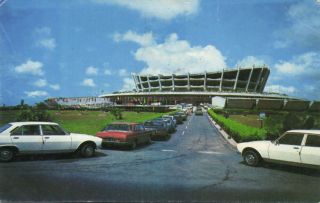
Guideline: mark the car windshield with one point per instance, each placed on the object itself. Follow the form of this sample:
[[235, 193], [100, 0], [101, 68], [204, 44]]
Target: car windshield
[[118, 127], [150, 123], [5, 127]]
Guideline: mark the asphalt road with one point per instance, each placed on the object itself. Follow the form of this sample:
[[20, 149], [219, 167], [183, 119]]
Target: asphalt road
[[196, 164]]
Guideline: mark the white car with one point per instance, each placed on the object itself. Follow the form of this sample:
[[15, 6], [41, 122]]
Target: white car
[[43, 137], [295, 147]]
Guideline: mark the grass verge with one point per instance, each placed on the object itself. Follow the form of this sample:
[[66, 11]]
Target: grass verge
[[238, 131]]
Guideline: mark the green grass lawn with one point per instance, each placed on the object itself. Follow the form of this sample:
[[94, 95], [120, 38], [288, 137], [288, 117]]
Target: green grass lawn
[[87, 122]]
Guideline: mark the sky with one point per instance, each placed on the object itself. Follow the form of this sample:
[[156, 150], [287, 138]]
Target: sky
[[74, 48]]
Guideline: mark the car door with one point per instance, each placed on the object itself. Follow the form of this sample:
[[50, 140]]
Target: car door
[[55, 139], [27, 138], [287, 148], [311, 150]]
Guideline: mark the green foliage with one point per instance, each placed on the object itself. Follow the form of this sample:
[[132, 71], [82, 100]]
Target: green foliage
[[117, 113], [309, 122], [273, 126], [33, 114], [291, 121], [238, 131]]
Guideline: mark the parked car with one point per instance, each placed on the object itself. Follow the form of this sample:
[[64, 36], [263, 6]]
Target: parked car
[[172, 118], [183, 114], [125, 134], [178, 117], [169, 123], [295, 147], [198, 111], [159, 127], [43, 137]]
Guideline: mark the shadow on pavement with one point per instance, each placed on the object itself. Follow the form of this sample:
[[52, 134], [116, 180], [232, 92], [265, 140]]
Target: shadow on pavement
[[288, 168], [48, 157]]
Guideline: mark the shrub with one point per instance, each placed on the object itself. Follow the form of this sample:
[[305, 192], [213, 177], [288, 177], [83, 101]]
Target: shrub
[[309, 123], [291, 121], [33, 114], [238, 131], [117, 113]]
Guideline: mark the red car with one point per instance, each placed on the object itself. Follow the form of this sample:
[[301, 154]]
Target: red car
[[125, 134]]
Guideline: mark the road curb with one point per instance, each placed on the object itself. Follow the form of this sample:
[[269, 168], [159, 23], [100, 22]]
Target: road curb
[[225, 135]]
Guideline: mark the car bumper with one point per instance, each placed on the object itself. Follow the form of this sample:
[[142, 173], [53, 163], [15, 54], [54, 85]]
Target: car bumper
[[108, 143]]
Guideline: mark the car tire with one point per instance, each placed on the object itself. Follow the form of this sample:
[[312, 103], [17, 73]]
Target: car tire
[[149, 141], [87, 150], [251, 158], [6, 154]]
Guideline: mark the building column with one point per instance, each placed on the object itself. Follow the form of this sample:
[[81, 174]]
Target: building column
[[160, 86], [149, 85], [221, 79], [173, 82], [205, 81], [236, 82], [249, 79], [258, 81]]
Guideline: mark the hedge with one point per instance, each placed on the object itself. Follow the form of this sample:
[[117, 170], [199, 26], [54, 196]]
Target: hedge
[[238, 131]]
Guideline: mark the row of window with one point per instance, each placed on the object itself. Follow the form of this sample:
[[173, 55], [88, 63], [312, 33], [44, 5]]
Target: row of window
[[35, 130], [296, 139]]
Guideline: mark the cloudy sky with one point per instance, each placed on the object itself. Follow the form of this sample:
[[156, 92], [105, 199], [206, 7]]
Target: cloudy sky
[[88, 47]]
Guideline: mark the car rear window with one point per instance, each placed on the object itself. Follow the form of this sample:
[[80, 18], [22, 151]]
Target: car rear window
[[313, 141], [119, 127], [5, 127]]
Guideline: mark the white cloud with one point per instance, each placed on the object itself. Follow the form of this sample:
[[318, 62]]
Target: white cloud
[[88, 82], [123, 72], [249, 61], [128, 84], [40, 83], [107, 72], [143, 40], [304, 26], [305, 64], [92, 70], [32, 67], [55, 86], [178, 56], [281, 89], [48, 43], [164, 9], [43, 31], [36, 93]]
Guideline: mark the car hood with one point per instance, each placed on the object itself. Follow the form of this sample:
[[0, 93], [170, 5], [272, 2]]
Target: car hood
[[114, 134], [253, 144]]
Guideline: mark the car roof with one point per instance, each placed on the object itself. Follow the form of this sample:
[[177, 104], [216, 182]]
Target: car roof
[[124, 123], [305, 131], [33, 123]]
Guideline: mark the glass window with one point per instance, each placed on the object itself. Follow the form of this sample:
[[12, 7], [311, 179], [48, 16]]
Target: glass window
[[5, 127], [291, 139], [138, 128], [16, 131], [31, 130], [52, 130], [313, 141], [118, 127]]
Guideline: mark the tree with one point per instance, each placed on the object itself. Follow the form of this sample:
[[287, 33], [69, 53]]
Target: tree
[[117, 113], [309, 122], [291, 121]]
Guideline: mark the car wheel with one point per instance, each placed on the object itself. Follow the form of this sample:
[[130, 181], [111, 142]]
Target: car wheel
[[87, 150], [149, 140], [251, 158], [6, 155]]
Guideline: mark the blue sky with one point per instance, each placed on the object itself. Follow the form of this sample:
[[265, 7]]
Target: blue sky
[[71, 48]]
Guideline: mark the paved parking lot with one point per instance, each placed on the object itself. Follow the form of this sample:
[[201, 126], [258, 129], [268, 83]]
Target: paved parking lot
[[196, 164]]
